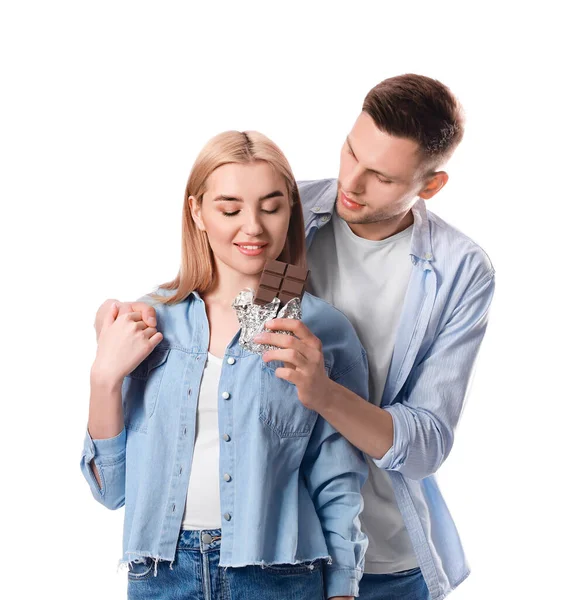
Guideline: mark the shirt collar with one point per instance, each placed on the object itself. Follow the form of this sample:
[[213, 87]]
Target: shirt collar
[[421, 245]]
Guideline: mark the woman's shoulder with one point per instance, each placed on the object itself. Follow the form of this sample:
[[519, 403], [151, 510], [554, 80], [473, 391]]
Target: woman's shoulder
[[174, 320], [155, 298], [332, 327], [314, 307]]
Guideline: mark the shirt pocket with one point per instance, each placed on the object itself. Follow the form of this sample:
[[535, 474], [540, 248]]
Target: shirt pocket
[[280, 407], [141, 388]]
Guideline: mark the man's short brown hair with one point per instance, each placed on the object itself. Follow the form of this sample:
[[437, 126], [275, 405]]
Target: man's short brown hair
[[421, 109]]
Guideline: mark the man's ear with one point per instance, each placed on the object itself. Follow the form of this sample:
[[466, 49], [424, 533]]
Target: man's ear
[[195, 208], [436, 182]]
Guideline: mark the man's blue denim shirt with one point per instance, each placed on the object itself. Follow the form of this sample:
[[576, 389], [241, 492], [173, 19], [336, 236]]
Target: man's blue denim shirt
[[441, 328], [293, 491]]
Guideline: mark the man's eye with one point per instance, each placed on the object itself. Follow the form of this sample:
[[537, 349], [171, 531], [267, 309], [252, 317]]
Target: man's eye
[[383, 180], [231, 214], [270, 212]]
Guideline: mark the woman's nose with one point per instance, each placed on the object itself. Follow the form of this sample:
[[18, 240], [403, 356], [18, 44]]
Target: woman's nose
[[252, 226]]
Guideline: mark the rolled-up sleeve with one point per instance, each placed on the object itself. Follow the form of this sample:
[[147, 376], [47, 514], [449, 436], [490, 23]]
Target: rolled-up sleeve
[[109, 456], [430, 406]]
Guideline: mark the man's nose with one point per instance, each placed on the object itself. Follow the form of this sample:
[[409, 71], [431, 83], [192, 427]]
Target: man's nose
[[353, 181]]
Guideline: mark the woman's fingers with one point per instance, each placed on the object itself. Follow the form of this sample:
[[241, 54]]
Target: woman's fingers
[[139, 326], [156, 339], [148, 332], [127, 307], [148, 312], [133, 316], [101, 315], [111, 315]]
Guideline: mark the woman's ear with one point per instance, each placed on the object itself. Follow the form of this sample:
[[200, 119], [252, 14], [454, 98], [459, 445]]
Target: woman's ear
[[195, 208]]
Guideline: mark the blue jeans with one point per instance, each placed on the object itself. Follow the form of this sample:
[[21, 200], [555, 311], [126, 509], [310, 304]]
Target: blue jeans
[[196, 575], [406, 585]]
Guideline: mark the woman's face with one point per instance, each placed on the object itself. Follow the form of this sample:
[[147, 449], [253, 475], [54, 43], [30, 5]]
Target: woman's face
[[245, 212]]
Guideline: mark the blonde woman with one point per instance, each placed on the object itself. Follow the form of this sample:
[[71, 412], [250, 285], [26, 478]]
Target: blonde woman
[[233, 488]]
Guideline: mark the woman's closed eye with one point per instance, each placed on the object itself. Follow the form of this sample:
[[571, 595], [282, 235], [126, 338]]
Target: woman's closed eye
[[235, 212]]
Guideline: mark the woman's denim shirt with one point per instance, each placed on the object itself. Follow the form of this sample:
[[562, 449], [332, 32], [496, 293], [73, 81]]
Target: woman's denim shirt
[[289, 483]]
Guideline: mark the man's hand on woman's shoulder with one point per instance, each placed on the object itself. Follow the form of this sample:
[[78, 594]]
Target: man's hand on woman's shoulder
[[148, 313]]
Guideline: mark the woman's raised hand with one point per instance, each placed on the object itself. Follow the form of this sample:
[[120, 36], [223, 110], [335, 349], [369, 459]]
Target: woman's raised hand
[[146, 310], [124, 341]]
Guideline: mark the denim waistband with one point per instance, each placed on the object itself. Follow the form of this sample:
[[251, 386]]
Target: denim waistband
[[204, 540]]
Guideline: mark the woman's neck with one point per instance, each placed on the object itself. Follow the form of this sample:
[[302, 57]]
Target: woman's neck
[[228, 284], [223, 321]]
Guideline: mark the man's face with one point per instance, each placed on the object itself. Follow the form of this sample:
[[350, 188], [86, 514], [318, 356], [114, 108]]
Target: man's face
[[380, 175]]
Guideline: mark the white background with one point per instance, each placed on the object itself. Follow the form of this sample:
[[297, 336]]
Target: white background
[[104, 107]]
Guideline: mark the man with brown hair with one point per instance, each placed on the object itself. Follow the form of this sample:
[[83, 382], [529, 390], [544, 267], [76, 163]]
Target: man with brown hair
[[418, 293]]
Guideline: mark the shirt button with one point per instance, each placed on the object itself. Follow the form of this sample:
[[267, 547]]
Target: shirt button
[[181, 471], [206, 538], [227, 516], [317, 208], [324, 219], [173, 508], [226, 395], [227, 477], [428, 256], [189, 392], [226, 437], [185, 431], [231, 360]]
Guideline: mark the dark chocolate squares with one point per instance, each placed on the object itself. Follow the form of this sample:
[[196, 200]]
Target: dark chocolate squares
[[281, 280]]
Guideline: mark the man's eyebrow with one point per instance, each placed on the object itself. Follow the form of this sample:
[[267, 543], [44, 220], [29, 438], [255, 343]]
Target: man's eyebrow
[[224, 197], [384, 175]]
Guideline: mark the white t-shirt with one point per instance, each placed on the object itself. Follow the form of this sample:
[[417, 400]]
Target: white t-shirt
[[367, 281], [203, 509]]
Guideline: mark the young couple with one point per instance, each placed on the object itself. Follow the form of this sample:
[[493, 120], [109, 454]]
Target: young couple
[[273, 476]]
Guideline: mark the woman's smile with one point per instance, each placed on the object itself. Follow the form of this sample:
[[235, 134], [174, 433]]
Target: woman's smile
[[251, 249]]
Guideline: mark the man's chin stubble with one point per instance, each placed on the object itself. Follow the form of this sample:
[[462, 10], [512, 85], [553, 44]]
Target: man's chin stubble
[[360, 220]]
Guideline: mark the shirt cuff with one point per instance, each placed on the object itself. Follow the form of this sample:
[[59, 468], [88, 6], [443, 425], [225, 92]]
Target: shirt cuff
[[394, 458], [104, 449], [342, 582]]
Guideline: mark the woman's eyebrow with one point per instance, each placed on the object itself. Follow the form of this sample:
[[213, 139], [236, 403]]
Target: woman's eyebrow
[[275, 194], [224, 197]]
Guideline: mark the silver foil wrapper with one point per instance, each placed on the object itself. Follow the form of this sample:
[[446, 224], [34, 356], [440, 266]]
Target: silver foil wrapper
[[253, 318]]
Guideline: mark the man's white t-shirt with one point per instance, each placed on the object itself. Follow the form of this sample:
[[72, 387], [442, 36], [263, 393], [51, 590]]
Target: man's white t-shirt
[[203, 509], [367, 281]]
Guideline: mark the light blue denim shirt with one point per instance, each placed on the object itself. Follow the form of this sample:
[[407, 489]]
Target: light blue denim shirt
[[439, 334], [293, 491]]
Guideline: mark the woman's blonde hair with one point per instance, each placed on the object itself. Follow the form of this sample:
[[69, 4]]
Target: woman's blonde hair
[[242, 147]]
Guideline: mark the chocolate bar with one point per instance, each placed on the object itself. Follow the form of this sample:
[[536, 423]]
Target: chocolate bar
[[281, 280]]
